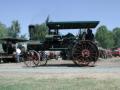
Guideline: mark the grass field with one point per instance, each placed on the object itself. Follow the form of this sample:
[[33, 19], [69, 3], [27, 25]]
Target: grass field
[[59, 84]]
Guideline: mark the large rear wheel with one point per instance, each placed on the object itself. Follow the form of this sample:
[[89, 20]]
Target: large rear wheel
[[85, 53]]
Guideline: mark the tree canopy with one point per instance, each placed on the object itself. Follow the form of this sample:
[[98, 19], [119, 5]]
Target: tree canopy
[[116, 36], [104, 37], [11, 31], [3, 30], [14, 29], [39, 32]]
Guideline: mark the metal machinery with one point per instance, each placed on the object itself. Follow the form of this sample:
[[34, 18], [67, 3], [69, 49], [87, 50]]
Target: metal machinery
[[9, 47], [81, 49]]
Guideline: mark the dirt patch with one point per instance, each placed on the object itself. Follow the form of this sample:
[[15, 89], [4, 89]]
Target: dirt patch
[[109, 62]]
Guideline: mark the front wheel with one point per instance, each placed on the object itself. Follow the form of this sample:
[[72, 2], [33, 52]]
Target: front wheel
[[43, 58], [31, 58]]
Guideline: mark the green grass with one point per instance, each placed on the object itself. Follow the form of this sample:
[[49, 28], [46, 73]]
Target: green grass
[[58, 84]]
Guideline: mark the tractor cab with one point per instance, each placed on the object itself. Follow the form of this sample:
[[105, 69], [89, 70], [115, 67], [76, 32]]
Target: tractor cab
[[85, 27]]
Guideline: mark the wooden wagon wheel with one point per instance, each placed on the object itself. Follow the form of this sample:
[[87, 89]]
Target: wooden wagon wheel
[[32, 58], [36, 58], [43, 58], [85, 53], [28, 59]]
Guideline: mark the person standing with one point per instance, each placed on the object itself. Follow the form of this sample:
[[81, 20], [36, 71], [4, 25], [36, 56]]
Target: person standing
[[18, 52]]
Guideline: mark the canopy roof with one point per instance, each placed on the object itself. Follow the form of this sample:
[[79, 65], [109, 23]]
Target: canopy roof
[[15, 40], [72, 25], [33, 42]]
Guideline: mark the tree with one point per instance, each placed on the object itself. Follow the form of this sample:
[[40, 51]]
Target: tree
[[110, 40], [39, 32], [104, 37], [116, 35], [3, 30], [14, 30]]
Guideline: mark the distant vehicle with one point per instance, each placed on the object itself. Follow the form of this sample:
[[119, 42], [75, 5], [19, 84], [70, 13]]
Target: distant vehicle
[[116, 52], [9, 49]]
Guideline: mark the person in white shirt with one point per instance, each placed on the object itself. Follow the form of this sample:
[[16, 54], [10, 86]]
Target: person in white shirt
[[18, 52]]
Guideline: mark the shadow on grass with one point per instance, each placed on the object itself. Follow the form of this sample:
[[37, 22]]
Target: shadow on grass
[[58, 65]]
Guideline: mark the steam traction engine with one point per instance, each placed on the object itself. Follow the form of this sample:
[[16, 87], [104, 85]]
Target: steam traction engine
[[81, 49]]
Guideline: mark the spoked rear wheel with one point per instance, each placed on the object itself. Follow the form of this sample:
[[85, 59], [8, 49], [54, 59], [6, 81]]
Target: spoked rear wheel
[[85, 53]]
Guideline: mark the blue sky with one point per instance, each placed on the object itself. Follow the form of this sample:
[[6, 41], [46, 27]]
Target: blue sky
[[36, 11]]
